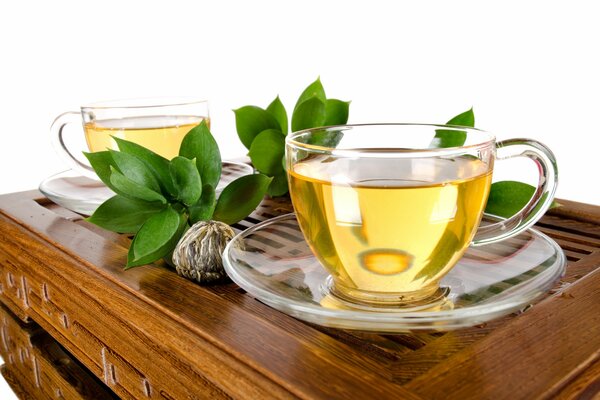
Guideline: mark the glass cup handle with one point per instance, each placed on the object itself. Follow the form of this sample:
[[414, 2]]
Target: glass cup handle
[[57, 133], [540, 201]]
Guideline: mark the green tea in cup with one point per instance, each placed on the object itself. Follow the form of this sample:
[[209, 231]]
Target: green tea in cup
[[388, 213], [157, 124]]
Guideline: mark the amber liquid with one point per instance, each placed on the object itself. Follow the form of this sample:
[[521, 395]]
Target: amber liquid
[[161, 134], [375, 232]]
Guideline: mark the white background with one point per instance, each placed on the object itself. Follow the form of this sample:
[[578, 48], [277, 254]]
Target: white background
[[529, 69]]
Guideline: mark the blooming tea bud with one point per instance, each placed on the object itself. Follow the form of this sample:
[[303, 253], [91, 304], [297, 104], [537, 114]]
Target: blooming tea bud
[[198, 255]]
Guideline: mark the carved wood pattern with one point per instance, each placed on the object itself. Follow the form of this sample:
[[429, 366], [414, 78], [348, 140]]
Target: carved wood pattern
[[53, 301], [39, 367]]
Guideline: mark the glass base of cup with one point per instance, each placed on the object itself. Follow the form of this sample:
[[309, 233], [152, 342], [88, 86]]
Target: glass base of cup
[[426, 299]]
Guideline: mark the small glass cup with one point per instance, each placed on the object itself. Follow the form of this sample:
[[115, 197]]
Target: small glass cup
[[388, 210], [158, 124]]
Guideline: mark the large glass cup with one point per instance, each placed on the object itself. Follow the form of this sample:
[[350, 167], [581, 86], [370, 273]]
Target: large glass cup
[[388, 209]]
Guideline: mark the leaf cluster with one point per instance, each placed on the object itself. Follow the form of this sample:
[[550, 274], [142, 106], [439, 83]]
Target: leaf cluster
[[158, 199], [263, 131]]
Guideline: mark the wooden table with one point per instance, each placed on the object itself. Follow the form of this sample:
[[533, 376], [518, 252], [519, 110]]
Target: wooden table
[[75, 325]]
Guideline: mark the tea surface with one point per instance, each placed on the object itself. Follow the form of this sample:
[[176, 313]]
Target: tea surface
[[389, 225], [161, 134]]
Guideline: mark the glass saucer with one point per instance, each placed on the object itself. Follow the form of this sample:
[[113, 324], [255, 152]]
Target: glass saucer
[[83, 194], [273, 263]]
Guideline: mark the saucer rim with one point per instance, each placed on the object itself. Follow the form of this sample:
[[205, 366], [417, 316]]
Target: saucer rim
[[412, 320]]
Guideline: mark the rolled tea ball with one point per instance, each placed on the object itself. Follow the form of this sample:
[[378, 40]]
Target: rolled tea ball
[[198, 255]]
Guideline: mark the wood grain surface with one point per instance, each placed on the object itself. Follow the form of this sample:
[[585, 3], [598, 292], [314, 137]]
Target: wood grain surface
[[148, 333]]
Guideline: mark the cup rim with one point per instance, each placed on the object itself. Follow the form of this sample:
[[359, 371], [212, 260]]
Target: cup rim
[[392, 152], [144, 102]]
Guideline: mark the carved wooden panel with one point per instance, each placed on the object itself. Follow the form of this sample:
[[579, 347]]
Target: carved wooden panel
[[75, 319], [36, 366]]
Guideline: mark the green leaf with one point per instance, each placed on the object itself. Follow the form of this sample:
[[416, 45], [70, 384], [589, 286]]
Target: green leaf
[[186, 180], [277, 109], [101, 162], [464, 119], [508, 198], [156, 238], [266, 151], [200, 144], [252, 120], [309, 114], [123, 215], [279, 185], [156, 163], [135, 170], [315, 89], [240, 198], [445, 138], [204, 208], [336, 112], [330, 137], [133, 190]]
